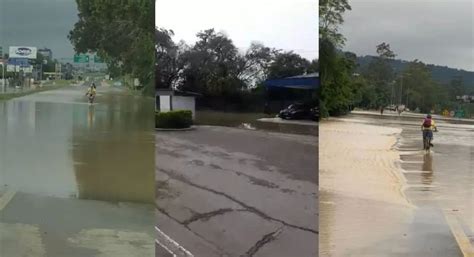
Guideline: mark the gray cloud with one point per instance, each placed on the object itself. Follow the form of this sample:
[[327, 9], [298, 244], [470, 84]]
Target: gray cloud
[[433, 31], [40, 23], [283, 24]]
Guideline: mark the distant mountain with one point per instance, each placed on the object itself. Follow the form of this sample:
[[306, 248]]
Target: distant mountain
[[442, 74]]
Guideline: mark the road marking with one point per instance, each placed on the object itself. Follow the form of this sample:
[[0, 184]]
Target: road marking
[[171, 246], [164, 247], [463, 241], [6, 198]]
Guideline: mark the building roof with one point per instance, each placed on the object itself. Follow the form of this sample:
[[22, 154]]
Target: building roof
[[167, 91], [306, 81]]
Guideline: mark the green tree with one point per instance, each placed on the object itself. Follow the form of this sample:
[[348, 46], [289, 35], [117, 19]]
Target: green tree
[[336, 91], [456, 88], [121, 33], [330, 18], [380, 73], [287, 64], [167, 59], [419, 89], [211, 66]]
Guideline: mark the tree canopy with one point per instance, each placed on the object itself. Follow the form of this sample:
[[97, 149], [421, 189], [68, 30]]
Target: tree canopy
[[121, 33]]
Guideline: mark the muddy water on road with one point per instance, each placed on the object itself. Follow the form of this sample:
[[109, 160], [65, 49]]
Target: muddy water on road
[[433, 183], [54, 143]]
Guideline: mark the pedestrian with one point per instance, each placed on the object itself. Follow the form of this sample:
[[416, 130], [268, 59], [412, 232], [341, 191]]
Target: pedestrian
[[381, 110]]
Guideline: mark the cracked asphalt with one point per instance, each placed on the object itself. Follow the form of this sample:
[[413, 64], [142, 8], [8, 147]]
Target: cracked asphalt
[[233, 192]]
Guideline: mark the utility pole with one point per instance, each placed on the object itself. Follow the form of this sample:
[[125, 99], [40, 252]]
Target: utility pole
[[401, 88], [3, 76], [3, 68]]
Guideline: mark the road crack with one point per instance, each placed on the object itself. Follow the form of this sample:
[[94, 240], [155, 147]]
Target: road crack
[[262, 242], [249, 208], [206, 216]]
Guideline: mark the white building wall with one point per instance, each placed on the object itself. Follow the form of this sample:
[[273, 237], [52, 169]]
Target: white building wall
[[184, 103], [165, 103]]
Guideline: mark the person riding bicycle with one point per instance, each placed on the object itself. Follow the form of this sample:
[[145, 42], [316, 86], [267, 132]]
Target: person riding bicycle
[[91, 92], [428, 126]]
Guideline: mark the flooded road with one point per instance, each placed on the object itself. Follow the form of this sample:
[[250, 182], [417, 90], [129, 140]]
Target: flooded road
[[54, 143], [252, 121], [75, 177], [438, 221]]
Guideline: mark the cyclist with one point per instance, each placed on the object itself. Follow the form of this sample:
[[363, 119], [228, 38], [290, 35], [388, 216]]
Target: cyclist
[[91, 92], [428, 126]]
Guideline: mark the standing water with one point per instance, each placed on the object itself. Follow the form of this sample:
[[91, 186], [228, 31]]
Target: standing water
[[56, 144], [438, 185]]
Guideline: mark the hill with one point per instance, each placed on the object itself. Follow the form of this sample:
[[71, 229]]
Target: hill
[[441, 74]]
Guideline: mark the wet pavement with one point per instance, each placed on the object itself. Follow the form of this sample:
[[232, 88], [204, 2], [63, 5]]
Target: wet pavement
[[77, 178], [225, 191], [438, 185], [256, 121]]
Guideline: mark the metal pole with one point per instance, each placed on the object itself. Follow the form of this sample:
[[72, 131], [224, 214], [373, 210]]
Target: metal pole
[[407, 96], [401, 89], [3, 76]]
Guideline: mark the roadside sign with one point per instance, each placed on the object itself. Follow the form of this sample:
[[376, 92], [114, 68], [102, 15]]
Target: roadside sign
[[97, 59], [81, 58]]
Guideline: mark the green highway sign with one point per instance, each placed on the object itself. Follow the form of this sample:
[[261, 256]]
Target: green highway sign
[[97, 59], [81, 58]]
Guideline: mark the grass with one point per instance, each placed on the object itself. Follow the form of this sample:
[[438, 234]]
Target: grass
[[46, 87]]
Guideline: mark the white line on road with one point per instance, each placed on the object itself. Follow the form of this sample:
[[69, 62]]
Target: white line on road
[[463, 241], [171, 246], [6, 198], [166, 248]]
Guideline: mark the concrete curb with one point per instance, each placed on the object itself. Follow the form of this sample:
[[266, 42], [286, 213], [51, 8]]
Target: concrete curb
[[184, 129]]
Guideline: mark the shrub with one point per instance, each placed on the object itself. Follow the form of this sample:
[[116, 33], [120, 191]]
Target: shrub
[[174, 119]]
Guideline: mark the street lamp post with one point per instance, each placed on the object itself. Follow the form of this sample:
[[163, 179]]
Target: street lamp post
[[3, 77]]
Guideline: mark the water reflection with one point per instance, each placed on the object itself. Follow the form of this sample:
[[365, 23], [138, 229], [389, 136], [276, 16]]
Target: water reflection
[[56, 144], [250, 121], [91, 116], [427, 168], [114, 153]]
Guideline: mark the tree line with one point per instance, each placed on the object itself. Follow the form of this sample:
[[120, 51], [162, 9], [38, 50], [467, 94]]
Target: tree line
[[215, 68], [376, 85]]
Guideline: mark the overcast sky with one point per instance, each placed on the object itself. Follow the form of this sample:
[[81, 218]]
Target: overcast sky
[[40, 23], [283, 24], [433, 31]]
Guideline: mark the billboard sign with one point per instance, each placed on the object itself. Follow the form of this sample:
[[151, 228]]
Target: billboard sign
[[17, 64], [23, 52]]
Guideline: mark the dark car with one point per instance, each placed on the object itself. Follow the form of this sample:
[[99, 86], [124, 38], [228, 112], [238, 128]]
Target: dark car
[[298, 111], [314, 112]]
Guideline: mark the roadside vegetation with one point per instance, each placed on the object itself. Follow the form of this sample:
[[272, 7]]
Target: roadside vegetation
[[179, 119], [121, 34], [345, 86], [226, 77]]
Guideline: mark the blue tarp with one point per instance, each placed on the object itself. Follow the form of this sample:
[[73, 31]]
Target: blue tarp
[[309, 81]]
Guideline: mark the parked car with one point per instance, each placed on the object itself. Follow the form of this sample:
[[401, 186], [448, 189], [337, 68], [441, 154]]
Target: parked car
[[298, 111], [391, 107], [314, 113]]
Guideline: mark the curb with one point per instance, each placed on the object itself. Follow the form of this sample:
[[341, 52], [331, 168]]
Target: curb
[[183, 129]]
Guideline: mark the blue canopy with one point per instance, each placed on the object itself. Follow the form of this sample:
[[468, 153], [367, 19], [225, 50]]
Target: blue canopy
[[308, 81]]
